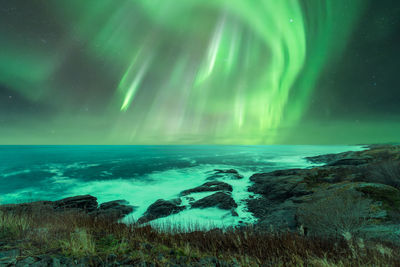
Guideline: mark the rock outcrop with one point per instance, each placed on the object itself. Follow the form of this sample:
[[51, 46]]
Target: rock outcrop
[[281, 193], [279, 185], [84, 204], [116, 209], [161, 208], [208, 187], [220, 200]]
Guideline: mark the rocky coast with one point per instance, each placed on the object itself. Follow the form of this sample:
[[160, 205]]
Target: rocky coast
[[352, 198]]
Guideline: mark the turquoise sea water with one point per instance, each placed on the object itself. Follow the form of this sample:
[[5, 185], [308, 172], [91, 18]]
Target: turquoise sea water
[[139, 174]]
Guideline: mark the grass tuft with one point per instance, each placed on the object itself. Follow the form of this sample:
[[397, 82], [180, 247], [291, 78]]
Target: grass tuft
[[78, 236]]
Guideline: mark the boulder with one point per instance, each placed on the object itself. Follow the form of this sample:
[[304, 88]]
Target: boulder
[[209, 187], [116, 209], [85, 203], [220, 200], [161, 208]]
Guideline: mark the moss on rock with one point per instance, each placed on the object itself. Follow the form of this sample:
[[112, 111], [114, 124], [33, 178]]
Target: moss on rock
[[389, 196]]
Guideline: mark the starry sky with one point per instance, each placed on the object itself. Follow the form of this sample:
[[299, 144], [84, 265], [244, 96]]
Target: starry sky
[[199, 71]]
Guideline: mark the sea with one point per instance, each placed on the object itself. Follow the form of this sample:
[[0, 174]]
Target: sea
[[143, 174]]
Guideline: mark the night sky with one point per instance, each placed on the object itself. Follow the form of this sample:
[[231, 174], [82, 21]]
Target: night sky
[[199, 71]]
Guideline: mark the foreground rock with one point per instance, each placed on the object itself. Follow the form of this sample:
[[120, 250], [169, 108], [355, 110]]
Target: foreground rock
[[220, 200], [116, 209], [209, 187], [280, 185], [371, 173], [161, 208], [85, 204]]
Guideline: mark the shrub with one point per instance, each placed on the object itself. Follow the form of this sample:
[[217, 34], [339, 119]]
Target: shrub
[[335, 214], [387, 173]]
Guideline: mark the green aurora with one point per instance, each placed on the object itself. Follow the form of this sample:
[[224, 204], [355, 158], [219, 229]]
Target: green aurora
[[191, 72]]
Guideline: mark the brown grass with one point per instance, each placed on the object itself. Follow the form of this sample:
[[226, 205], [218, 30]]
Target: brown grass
[[77, 235]]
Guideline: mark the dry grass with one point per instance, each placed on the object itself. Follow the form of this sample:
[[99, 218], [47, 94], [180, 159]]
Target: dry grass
[[77, 235]]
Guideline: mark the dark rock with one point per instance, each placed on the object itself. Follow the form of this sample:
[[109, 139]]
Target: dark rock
[[46, 261], [226, 171], [8, 262], [280, 218], [116, 209], [282, 192], [9, 257], [345, 158], [259, 206], [230, 174], [55, 262], [112, 204], [25, 262], [86, 203], [190, 199], [220, 200], [13, 253], [287, 172], [176, 201], [349, 161], [213, 261], [160, 208], [65, 261], [209, 187], [327, 158], [279, 187], [208, 260]]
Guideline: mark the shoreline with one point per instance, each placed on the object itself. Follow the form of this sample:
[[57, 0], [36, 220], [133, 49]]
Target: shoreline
[[283, 202]]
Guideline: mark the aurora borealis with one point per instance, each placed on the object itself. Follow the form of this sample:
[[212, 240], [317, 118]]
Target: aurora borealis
[[199, 71]]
